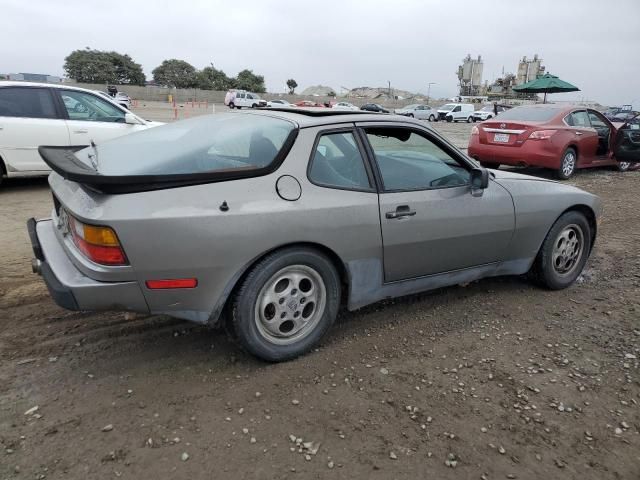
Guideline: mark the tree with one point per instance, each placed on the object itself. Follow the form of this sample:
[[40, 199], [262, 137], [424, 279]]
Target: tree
[[292, 84], [210, 78], [175, 73], [247, 80], [95, 66]]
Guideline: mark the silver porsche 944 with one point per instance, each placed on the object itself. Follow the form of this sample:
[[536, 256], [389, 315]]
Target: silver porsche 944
[[270, 220]]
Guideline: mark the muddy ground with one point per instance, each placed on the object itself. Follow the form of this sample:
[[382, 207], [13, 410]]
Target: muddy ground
[[497, 379]]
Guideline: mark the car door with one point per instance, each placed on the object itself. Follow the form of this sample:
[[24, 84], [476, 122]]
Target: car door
[[626, 147], [420, 112], [456, 112], [28, 118], [585, 137], [605, 131], [91, 118], [431, 221]]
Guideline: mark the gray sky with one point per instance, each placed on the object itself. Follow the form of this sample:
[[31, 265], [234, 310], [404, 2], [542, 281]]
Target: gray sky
[[591, 43]]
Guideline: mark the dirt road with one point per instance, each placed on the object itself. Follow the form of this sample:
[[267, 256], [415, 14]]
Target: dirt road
[[497, 379]]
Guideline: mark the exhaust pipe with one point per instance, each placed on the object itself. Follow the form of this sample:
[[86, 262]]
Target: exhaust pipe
[[36, 266]]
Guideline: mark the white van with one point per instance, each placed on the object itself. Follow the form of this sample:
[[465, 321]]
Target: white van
[[454, 112], [241, 98]]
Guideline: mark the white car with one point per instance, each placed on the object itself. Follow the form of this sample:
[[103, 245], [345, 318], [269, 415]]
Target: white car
[[241, 98], [345, 106], [35, 114], [454, 112], [487, 112], [419, 111], [278, 102], [121, 98]]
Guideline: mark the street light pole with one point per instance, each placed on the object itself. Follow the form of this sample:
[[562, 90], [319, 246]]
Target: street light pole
[[429, 90]]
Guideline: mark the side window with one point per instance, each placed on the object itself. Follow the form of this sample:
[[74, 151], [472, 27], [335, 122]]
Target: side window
[[578, 119], [26, 103], [409, 161], [596, 120], [457, 109], [337, 163], [88, 107]]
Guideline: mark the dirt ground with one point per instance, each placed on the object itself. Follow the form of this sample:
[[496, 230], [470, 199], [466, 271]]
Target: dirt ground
[[497, 379]]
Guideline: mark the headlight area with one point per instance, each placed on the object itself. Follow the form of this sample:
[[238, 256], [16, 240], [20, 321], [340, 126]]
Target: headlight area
[[98, 243]]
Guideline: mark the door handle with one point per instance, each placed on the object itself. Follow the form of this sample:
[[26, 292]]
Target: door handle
[[401, 211], [579, 133], [81, 131]]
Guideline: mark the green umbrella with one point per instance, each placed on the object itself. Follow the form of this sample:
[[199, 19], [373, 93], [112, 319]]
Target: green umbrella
[[546, 84]]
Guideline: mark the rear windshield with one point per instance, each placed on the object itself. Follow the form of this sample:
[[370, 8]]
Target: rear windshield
[[528, 114], [208, 144]]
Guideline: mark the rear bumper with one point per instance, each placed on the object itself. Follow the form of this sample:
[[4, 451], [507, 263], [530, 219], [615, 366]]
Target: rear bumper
[[529, 154], [69, 287]]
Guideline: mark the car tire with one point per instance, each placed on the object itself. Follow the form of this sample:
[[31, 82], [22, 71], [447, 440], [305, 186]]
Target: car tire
[[564, 252], [232, 105], [469, 119], [474, 119], [432, 118], [410, 115], [494, 166], [253, 105], [568, 164], [268, 311], [449, 119], [623, 166]]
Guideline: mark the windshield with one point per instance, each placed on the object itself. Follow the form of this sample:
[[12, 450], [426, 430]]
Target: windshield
[[530, 114], [411, 107], [214, 143], [487, 108], [447, 107]]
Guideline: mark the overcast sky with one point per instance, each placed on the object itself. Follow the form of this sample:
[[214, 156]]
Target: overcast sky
[[591, 43]]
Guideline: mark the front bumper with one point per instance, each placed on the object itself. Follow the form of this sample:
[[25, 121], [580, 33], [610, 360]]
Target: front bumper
[[69, 287]]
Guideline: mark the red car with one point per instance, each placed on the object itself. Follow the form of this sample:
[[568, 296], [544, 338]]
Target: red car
[[557, 137], [309, 103]]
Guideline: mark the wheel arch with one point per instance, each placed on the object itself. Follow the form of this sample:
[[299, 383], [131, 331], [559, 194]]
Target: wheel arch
[[219, 314], [587, 211]]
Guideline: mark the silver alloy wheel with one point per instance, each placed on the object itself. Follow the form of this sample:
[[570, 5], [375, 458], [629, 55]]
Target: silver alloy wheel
[[568, 163], [290, 304], [567, 249], [623, 166]]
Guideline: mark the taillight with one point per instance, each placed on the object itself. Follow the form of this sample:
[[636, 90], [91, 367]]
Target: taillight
[[542, 134], [99, 244], [475, 131]]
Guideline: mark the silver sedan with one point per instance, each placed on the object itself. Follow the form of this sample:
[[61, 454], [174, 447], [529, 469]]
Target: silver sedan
[[269, 220]]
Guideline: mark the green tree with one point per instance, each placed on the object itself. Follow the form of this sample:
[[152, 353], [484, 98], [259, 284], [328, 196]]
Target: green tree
[[291, 85], [175, 73], [247, 80], [210, 78], [96, 66]]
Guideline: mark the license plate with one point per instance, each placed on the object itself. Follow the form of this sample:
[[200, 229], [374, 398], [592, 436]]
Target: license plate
[[501, 137]]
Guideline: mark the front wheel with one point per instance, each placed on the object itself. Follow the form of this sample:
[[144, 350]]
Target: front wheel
[[432, 118], [564, 252], [567, 164], [449, 119], [623, 166], [469, 119], [286, 304]]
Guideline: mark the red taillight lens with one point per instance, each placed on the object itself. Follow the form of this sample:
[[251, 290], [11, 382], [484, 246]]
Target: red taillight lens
[[99, 244], [172, 283], [542, 134], [475, 130]]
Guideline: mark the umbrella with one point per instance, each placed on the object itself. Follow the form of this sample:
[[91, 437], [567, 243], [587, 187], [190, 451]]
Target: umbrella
[[546, 84]]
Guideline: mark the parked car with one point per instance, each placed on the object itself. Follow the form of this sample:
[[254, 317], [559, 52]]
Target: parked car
[[454, 112], [278, 102], [272, 217], [33, 114], [120, 98], [488, 111], [419, 111], [309, 103], [551, 136], [374, 107], [241, 98], [613, 111], [344, 106], [624, 116]]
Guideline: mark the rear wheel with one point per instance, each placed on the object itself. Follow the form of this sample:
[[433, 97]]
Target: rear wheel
[[469, 119], [286, 304], [564, 252], [623, 166], [232, 105], [567, 164], [449, 119], [253, 105], [432, 118]]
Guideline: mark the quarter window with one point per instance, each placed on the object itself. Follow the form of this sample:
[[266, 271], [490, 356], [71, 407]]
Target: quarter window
[[88, 107], [26, 103], [337, 162], [409, 161]]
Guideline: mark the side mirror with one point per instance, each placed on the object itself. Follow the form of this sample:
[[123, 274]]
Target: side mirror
[[479, 178], [131, 119]]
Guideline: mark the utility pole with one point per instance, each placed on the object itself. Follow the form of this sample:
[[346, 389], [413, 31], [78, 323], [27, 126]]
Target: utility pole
[[429, 91]]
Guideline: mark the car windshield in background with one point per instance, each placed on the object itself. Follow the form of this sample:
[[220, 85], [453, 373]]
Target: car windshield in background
[[412, 107], [487, 108], [448, 106], [528, 114], [211, 144]]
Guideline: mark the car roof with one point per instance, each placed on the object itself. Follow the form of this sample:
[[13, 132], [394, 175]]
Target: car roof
[[311, 117], [12, 83]]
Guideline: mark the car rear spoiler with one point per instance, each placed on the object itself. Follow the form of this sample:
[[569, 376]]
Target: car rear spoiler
[[65, 163]]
